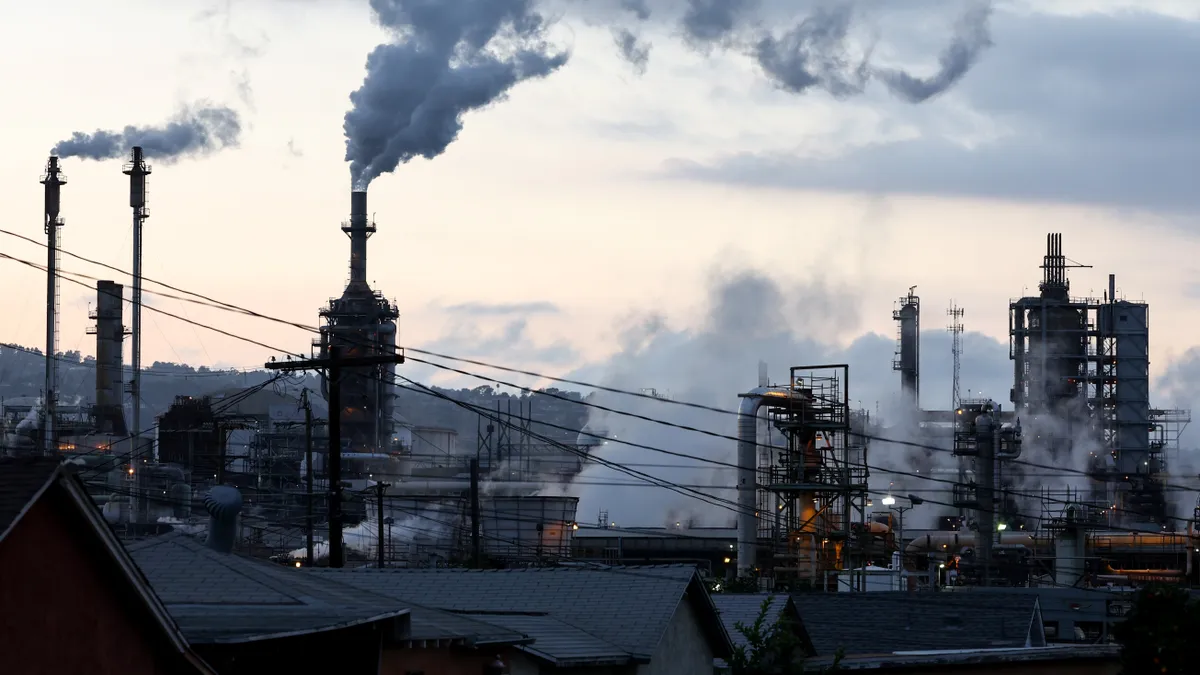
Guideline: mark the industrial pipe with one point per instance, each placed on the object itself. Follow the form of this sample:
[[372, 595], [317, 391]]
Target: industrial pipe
[[747, 461]]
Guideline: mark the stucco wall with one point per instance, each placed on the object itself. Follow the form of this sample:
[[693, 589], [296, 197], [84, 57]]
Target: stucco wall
[[684, 650]]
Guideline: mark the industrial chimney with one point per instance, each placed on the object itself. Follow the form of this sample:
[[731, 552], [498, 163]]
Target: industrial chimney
[[359, 230], [110, 375], [137, 170], [53, 180]]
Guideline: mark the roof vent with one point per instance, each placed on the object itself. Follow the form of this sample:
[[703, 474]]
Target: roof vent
[[223, 504]]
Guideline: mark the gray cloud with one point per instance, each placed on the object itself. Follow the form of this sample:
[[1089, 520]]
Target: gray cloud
[[198, 130], [1093, 109], [465, 338], [447, 58], [709, 21], [971, 37], [633, 50], [638, 8], [813, 53], [503, 308]]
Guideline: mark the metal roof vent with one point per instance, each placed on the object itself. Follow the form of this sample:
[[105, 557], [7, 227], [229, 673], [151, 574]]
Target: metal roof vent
[[223, 504]]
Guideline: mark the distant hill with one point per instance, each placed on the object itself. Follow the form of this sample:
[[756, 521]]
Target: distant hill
[[22, 373]]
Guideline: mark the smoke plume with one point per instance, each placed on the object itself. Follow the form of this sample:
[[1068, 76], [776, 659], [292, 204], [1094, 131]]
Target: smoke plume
[[633, 50], [711, 21], [971, 38], [638, 8], [197, 130], [814, 53], [447, 57]]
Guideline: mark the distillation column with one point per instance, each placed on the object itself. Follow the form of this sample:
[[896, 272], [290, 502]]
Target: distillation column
[[53, 180], [908, 347]]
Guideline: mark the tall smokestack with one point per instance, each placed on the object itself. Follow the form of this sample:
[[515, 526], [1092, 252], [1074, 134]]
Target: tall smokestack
[[137, 170], [359, 229], [110, 339], [53, 180]]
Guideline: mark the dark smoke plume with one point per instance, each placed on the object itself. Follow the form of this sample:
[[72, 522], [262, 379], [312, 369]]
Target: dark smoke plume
[[970, 39], [198, 130], [636, 52], [638, 8], [448, 57], [710, 21], [812, 54]]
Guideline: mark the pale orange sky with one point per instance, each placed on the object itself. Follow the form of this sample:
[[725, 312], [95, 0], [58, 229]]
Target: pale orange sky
[[534, 202]]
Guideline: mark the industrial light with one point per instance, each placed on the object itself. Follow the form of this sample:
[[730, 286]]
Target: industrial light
[[574, 526], [726, 560], [870, 502], [941, 566], [1002, 527], [297, 563], [889, 500]]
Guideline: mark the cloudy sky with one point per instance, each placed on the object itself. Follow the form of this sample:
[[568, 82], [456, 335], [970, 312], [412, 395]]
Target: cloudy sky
[[693, 185]]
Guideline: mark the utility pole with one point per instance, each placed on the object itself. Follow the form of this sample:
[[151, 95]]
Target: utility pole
[[308, 479], [476, 557], [379, 490], [333, 366]]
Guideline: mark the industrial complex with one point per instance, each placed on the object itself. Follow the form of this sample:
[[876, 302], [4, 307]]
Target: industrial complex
[[1065, 486]]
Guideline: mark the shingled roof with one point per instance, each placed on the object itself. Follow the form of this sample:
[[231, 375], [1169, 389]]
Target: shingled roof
[[226, 598], [744, 608], [886, 622], [576, 615]]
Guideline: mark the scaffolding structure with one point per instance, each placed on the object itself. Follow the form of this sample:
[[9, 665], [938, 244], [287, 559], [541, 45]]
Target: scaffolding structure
[[818, 485]]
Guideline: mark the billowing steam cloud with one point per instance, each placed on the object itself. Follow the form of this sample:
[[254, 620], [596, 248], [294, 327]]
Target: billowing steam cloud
[[197, 130], [633, 50], [448, 57], [971, 38]]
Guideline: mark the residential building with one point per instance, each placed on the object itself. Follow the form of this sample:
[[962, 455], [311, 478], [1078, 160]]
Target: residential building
[[74, 602]]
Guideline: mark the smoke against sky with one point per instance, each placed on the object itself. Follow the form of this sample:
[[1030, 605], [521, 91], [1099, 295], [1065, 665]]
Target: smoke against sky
[[633, 50], [200, 129], [447, 58], [970, 39]]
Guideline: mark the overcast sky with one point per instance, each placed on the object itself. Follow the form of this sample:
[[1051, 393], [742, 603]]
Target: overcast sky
[[663, 171]]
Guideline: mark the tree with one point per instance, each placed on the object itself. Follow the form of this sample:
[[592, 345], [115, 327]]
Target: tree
[[1159, 633], [771, 647]]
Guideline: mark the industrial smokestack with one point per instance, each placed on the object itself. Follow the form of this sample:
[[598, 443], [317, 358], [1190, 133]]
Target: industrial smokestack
[[137, 170], [359, 230], [110, 376], [53, 180], [223, 504]]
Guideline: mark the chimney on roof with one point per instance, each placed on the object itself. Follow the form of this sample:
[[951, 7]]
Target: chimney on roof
[[223, 504]]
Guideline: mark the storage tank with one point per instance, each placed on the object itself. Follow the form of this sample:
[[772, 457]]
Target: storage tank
[[529, 528]]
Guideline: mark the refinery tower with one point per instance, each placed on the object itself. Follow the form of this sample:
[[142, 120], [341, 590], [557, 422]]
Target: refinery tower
[[362, 323]]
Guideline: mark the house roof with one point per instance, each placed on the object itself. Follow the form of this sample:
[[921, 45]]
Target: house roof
[[225, 598], [609, 608], [23, 481], [743, 608], [885, 622]]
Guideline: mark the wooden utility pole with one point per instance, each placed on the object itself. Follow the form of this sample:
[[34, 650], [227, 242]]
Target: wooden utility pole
[[379, 490], [308, 479], [476, 557], [333, 366]]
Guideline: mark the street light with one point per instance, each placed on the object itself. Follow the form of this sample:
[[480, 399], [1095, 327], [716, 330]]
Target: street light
[[888, 500], [913, 501]]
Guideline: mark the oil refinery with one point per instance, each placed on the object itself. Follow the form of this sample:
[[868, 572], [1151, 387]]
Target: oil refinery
[[1066, 483]]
